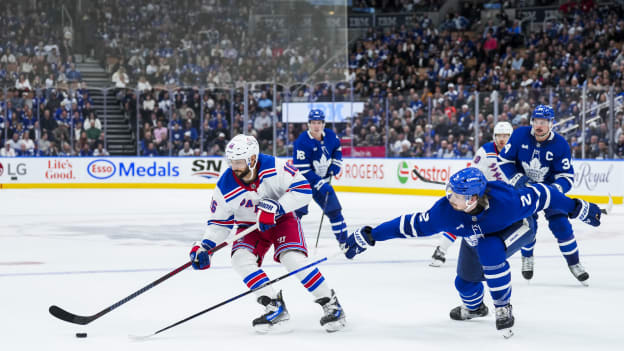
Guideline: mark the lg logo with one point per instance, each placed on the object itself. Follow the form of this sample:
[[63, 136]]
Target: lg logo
[[13, 171]]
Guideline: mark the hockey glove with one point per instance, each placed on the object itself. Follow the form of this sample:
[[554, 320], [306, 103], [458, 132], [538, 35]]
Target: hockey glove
[[268, 211], [587, 212], [322, 187], [333, 170], [199, 254], [358, 241], [519, 180]]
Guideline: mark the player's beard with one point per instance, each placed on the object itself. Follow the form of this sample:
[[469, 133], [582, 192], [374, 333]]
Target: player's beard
[[242, 174]]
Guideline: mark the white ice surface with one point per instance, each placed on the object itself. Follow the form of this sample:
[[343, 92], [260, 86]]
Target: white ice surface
[[85, 249]]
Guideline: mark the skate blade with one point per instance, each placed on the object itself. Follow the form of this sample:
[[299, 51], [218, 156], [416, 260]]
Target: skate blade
[[435, 263], [279, 328], [507, 333], [335, 326], [584, 283]]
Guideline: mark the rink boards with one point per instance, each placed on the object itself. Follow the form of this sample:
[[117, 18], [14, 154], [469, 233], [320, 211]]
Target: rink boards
[[594, 180]]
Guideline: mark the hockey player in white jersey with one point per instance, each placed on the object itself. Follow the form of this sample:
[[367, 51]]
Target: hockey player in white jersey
[[260, 188], [486, 159]]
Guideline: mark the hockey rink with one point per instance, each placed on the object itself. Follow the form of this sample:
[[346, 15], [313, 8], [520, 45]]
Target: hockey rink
[[83, 250]]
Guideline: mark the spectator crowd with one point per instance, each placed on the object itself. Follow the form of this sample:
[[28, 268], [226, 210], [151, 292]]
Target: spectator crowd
[[429, 91]]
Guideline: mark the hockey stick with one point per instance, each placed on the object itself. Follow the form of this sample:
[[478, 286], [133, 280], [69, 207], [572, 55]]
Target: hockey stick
[[318, 235], [606, 210], [609, 206], [234, 298], [421, 177], [76, 319]]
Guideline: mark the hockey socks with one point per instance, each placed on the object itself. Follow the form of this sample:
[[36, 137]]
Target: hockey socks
[[311, 278], [527, 251], [498, 279], [471, 293], [245, 264], [339, 227], [446, 240], [569, 249]]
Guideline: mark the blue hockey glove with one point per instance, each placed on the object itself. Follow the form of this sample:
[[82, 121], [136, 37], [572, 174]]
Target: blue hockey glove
[[358, 241], [333, 170], [587, 212], [322, 187], [268, 211], [519, 180], [199, 254]]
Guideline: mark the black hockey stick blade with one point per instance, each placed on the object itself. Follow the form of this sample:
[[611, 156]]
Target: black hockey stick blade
[[69, 317], [76, 319], [421, 177]]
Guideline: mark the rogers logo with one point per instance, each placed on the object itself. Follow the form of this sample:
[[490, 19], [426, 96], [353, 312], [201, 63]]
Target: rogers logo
[[101, 169]]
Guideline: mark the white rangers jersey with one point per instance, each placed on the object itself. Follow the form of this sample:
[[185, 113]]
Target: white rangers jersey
[[486, 159], [234, 202]]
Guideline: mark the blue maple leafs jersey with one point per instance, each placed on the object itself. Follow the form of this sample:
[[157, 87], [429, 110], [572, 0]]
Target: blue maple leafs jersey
[[506, 205], [548, 161], [313, 157]]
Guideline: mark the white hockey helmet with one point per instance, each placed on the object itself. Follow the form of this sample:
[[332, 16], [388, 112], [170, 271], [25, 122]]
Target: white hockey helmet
[[242, 147], [502, 128]]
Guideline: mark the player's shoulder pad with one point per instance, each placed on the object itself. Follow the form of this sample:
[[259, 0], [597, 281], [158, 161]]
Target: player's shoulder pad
[[226, 182], [303, 137], [488, 148], [266, 167], [329, 133], [265, 163], [559, 140]]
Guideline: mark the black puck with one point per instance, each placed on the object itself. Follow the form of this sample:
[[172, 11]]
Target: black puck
[[81, 335]]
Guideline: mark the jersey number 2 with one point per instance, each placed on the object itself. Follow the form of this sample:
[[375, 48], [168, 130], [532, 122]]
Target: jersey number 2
[[526, 200]]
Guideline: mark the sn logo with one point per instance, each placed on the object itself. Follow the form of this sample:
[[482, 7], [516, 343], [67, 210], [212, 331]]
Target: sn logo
[[300, 155]]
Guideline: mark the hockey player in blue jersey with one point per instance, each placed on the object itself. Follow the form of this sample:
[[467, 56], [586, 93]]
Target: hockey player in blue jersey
[[537, 154], [495, 220], [486, 159], [318, 156]]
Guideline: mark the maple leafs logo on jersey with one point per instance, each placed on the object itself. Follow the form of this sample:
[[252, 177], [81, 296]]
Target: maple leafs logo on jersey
[[534, 170], [321, 166]]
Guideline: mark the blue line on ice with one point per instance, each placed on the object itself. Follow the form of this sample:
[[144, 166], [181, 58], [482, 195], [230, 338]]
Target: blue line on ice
[[271, 265]]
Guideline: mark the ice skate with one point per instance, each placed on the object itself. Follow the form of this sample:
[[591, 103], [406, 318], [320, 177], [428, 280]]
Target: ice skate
[[334, 317], [438, 258], [505, 320], [276, 315], [461, 313], [578, 271], [527, 267]]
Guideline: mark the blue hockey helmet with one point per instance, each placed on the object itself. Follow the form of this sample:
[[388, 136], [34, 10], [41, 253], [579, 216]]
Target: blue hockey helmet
[[316, 115], [467, 182], [545, 112]]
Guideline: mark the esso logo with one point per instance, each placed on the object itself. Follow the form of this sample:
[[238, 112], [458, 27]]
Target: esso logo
[[101, 169]]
